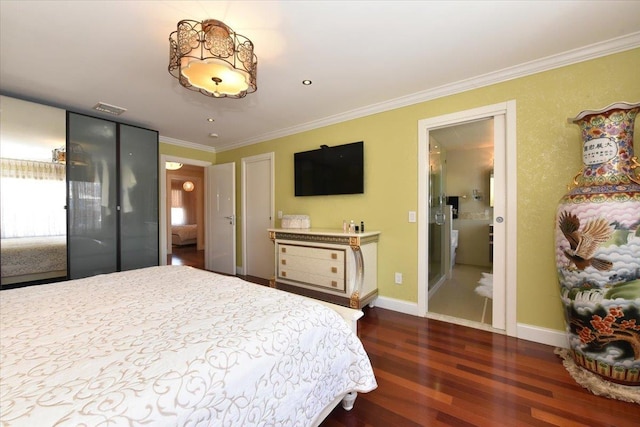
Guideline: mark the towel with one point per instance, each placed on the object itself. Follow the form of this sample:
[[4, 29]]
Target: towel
[[486, 286]]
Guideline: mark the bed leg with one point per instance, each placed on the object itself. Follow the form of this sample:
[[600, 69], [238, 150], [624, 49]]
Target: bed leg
[[348, 400]]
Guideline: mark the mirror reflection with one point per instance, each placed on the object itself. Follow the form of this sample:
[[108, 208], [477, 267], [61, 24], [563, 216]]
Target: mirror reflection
[[32, 198]]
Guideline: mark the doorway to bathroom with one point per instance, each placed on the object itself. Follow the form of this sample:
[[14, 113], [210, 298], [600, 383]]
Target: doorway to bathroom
[[466, 217], [460, 217]]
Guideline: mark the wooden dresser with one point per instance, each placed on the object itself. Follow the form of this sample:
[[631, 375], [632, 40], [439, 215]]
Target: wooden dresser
[[329, 265]]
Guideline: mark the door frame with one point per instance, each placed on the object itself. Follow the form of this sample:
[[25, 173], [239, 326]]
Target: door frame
[[162, 241], [505, 240], [245, 160]]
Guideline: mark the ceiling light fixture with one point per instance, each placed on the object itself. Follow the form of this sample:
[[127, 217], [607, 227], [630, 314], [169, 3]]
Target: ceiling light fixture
[[59, 155], [188, 186], [172, 166], [307, 82], [210, 58]]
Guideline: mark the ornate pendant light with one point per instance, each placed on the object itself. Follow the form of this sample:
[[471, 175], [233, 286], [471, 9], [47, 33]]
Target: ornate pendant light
[[209, 57]]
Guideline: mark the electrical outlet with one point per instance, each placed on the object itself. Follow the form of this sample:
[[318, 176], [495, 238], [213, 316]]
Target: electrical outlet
[[412, 216], [398, 278], [279, 214]]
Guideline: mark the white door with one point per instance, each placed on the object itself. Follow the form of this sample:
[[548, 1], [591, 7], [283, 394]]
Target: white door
[[499, 305], [504, 211], [220, 254], [257, 182]]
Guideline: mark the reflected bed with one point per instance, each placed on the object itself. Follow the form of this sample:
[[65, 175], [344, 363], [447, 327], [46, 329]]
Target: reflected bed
[[173, 345], [27, 259]]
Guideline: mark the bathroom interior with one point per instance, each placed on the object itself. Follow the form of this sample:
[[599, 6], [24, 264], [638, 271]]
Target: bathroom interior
[[460, 222]]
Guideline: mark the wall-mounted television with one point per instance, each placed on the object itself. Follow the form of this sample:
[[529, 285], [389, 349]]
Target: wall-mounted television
[[330, 170]]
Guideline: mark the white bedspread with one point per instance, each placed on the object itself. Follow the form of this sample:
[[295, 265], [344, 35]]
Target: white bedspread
[[172, 346]]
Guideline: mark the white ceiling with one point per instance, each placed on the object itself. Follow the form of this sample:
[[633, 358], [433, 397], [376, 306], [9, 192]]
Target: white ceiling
[[362, 56]]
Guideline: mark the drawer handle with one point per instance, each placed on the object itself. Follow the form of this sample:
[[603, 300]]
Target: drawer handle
[[334, 255], [283, 273], [283, 250], [284, 262], [334, 269], [334, 284]]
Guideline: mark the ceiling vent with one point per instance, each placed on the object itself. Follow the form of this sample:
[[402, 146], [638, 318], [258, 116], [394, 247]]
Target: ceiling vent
[[110, 109]]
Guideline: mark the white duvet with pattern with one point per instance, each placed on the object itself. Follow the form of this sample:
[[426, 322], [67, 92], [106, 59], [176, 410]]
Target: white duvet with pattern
[[174, 346]]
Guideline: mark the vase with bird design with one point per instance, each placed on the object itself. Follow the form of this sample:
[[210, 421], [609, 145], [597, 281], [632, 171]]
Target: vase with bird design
[[598, 247]]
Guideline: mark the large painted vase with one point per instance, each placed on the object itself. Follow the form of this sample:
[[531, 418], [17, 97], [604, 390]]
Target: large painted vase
[[598, 248]]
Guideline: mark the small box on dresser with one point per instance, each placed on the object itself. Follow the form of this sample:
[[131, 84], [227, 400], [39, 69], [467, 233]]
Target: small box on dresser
[[296, 221], [330, 265]]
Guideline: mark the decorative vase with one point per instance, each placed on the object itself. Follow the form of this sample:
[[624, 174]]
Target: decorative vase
[[598, 248]]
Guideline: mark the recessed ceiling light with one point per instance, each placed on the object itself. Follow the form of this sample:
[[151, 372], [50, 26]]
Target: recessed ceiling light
[[210, 119], [213, 135], [306, 82]]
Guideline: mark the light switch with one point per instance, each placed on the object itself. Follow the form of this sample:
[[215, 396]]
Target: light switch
[[398, 278], [279, 214], [412, 216]]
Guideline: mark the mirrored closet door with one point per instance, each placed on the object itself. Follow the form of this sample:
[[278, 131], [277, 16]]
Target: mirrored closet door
[[32, 193]]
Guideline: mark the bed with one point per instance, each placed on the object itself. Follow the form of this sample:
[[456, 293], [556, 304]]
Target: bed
[[184, 234], [173, 345], [27, 259]]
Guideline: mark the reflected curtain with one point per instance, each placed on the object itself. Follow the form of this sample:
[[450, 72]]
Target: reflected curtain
[[32, 198]]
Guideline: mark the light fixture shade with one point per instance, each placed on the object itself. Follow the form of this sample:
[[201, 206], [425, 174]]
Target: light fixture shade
[[77, 155], [172, 166], [59, 155], [188, 186], [209, 57]]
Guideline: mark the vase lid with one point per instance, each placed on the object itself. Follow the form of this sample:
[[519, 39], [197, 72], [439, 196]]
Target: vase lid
[[615, 106]]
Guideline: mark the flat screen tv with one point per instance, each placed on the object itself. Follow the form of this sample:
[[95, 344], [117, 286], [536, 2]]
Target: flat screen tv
[[330, 170]]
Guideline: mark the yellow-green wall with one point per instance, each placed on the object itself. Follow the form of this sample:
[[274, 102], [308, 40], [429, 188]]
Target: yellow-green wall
[[548, 153]]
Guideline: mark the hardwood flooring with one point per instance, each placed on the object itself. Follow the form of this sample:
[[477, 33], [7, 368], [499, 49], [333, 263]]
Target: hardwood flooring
[[189, 255], [186, 255], [432, 373]]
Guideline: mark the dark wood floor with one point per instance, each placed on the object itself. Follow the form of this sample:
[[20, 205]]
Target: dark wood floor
[[186, 255], [189, 255], [439, 374], [432, 373]]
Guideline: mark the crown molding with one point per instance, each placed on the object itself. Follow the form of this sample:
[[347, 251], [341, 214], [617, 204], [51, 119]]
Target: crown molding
[[187, 144], [594, 51]]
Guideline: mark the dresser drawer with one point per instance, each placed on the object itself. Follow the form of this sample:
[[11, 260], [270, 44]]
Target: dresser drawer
[[312, 252], [321, 267], [313, 265], [335, 282]]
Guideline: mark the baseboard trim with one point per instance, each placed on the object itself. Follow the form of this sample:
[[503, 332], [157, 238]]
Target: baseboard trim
[[398, 305], [527, 332], [540, 335]]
